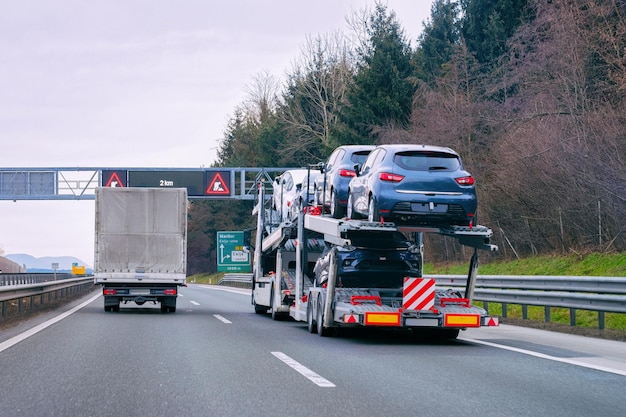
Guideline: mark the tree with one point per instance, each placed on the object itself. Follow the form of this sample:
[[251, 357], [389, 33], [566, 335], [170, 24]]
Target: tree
[[439, 40], [315, 90], [381, 93], [488, 24]]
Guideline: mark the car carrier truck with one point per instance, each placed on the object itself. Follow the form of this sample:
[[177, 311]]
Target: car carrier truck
[[342, 273], [140, 245]]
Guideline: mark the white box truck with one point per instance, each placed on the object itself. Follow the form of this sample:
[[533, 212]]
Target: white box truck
[[140, 245]]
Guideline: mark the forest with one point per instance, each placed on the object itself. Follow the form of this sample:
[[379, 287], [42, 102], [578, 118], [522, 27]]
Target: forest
[[531, 93]]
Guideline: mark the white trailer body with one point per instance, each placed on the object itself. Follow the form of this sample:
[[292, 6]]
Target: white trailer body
[[140, 245]]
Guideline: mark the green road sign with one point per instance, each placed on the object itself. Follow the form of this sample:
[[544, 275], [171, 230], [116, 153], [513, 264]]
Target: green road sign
[[232, 254]]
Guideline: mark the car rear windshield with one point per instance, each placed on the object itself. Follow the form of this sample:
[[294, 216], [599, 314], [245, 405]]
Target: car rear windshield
[[359, 157], [427, 161]]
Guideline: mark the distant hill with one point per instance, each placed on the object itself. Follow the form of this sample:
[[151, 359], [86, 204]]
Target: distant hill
[[44, 264]]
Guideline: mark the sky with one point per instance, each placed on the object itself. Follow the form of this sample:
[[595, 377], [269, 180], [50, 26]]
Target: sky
[[138, 83]]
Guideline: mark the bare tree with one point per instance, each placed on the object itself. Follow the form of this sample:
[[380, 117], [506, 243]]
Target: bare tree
[[315, 91]]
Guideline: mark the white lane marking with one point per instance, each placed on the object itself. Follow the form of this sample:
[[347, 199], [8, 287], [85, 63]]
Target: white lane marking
[[544, 356], [30, 332], [194, 303], [222, 319], [312, 376], [233, 290]]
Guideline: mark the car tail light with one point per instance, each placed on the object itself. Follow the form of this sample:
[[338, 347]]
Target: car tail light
[[347, 173], [109, 292], [169, 292], [385, 176], [465, 180]]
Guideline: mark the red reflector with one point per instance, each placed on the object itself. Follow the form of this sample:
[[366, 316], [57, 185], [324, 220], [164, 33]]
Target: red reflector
[[169, 292], [305, 298], [109, 292], [347, 173], [385, 176], [465, 180]]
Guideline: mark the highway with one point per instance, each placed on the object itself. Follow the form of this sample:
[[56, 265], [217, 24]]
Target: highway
[[216, 357]]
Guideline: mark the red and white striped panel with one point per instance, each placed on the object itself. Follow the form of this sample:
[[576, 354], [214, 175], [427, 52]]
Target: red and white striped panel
[[418, 294]]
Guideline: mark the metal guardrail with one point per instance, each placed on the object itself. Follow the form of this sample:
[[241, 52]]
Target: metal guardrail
[[600, 294], [20, 292], [237, 280], [31, 278]]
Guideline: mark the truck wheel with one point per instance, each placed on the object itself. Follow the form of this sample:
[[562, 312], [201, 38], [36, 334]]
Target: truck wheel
[[312, 325], [373, 214], [173, 309], [336, 211], [116, 308], [321, 330], [107, 308]]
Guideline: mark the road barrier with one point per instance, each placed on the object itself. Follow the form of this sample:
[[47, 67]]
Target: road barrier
[[31, 278], [599, 294], [53, 289], [236, 280]]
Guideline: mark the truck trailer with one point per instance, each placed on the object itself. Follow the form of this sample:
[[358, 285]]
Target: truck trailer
[[342, 273], [140, 245]]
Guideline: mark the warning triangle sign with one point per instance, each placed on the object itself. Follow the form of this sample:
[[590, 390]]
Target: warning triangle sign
[[217, 186], [114, 181]]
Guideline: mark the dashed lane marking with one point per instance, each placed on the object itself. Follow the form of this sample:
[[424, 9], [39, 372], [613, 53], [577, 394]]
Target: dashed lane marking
[[303, 370], [222, 319]]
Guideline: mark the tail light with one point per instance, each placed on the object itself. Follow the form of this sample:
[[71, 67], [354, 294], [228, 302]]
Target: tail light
[[169, 292], [385, 176], [465, 180], [347, 173], [107, 291]]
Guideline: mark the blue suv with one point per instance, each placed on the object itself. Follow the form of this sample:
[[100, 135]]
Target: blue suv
[[413, 185]]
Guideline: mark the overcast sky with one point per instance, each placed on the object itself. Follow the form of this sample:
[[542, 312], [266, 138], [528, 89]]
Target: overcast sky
[[137, 83]]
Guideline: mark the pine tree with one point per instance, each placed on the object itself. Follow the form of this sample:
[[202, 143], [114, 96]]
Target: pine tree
[[382, 91], [438, 40]]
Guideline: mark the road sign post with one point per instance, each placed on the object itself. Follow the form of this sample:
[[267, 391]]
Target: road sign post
[[232, 253]]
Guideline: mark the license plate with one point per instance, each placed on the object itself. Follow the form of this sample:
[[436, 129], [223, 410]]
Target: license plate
[[429, 208]]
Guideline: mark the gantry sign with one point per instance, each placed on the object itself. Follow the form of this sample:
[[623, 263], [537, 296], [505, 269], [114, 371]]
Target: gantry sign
[[80, 183]]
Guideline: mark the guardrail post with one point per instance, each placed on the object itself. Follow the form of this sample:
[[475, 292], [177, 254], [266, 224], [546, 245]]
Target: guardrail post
[[601, 320], [504, 305], [546, 314], [4, 309], [572, 317], [524, 311]]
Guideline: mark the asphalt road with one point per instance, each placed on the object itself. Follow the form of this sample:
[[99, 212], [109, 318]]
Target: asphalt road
[[215, 357]]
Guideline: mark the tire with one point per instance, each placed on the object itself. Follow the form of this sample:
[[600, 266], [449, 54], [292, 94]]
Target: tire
[[349, 208], [372, 212], [336, 211], [311, 323], [321, 330], [275, 315], [107, 308], [163, 308]]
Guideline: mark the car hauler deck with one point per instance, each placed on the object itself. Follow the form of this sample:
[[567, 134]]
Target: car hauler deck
[[355, 273]]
